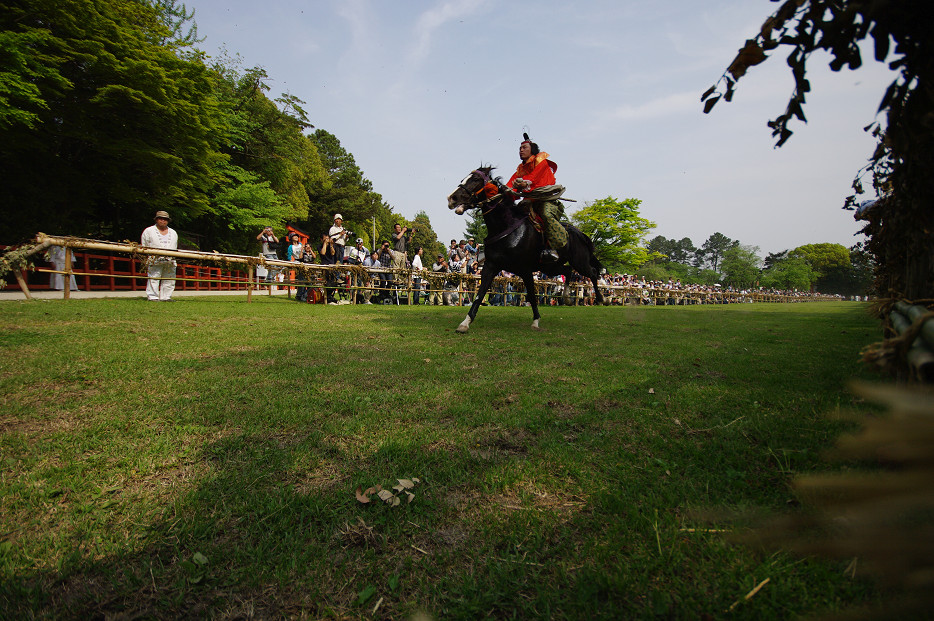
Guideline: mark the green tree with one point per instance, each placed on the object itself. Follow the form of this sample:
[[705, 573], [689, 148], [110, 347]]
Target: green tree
[[773, 258], [788, 273], [425, 237], [901, 224], [266, 168], [862, 267], [675, 251], [740, 266], [112, 125], [476, 227], [711, 251], [830, 263], [182, 29], [617, 231], [347, 192]]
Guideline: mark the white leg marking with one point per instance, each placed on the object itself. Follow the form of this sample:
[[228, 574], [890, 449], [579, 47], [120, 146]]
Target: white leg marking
[[464, 325], [535, 324]]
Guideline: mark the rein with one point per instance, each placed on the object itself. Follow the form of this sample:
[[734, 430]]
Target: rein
[[486, 201]]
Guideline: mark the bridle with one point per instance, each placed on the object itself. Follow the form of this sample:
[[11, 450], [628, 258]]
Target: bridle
[[476, 203]]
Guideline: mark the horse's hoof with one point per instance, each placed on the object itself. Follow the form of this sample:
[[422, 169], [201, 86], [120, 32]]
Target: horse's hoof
[[462, 329]]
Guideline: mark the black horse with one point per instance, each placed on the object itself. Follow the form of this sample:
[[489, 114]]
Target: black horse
[[514, 245]]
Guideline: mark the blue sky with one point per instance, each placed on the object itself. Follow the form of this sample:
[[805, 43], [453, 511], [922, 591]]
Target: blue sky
[[422, 92]]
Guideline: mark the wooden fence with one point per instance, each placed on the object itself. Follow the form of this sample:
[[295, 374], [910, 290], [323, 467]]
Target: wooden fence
[[110, 266]]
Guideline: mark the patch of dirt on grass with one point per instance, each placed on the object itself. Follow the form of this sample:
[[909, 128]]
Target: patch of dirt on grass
[[562, 410], [442, 446], [452, 536], [502, 444], [605, 406], [523, 497], [165, 481], [325, 477], [59, 423], [353, 447], [505, 402], [37, 395]]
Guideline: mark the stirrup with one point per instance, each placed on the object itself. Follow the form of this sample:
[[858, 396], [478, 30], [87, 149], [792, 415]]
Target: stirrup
[[549, 253]]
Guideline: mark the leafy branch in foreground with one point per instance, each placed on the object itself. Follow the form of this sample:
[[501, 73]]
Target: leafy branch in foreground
[[901, 222]]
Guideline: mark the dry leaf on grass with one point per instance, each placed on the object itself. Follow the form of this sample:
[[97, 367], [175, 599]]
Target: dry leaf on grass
[[387, 496]]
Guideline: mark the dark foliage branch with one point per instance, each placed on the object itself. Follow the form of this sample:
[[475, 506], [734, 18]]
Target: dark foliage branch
[[901, 223], [837, 27]]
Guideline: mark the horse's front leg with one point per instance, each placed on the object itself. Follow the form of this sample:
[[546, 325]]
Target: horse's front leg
[[598, 297], [486, 280], [532, 297]]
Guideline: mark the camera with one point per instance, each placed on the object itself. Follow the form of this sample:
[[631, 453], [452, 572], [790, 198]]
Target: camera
[[350, 233]]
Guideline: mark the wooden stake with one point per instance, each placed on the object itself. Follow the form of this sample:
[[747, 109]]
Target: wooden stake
[[66, 277]]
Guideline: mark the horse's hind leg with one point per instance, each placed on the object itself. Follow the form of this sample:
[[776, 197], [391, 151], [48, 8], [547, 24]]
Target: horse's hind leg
[[586, 269]]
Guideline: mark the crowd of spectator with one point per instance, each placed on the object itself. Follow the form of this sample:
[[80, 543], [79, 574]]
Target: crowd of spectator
[[451, 278]]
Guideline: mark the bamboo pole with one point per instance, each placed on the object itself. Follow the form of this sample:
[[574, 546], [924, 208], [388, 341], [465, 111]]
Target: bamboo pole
[[22, 283], [67, 276], [42, 245]]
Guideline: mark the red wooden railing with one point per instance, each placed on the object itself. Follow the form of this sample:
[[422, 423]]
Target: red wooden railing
[[104, 271]]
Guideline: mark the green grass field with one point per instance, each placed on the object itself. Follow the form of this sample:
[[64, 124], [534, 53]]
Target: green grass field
[[200, 459]]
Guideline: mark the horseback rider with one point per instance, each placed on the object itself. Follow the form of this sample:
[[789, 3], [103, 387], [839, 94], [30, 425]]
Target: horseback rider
[[535, 171]]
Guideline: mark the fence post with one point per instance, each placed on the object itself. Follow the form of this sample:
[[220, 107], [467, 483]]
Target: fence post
[[67, 276]]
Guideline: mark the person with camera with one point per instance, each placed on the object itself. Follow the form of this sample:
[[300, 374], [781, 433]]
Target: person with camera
[[452, 285], [440, 266], [473, 248], [308, 257], [269, 241], [401, 236], [328, 256], [339, 235], [358, 254], [372, 260]]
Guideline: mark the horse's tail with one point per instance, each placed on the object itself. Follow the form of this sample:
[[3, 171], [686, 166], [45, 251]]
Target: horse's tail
[[586, 244], [596, 265]]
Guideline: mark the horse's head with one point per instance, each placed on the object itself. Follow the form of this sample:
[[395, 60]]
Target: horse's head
[[468, 193]]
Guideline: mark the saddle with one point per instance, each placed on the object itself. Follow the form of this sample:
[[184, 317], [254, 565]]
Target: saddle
[[544, 193]]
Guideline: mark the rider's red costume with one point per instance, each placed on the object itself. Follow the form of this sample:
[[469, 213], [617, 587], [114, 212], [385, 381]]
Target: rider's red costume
[[538, 169]]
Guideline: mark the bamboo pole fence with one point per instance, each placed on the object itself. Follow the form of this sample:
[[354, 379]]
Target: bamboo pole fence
[[358, 282]]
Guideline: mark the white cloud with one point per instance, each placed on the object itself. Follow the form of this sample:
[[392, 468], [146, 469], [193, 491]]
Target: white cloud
[[433, 19]]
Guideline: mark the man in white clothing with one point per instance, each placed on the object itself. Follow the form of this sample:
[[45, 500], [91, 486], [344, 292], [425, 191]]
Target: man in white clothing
[[417, 269], [339, 234], [161, 270]]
